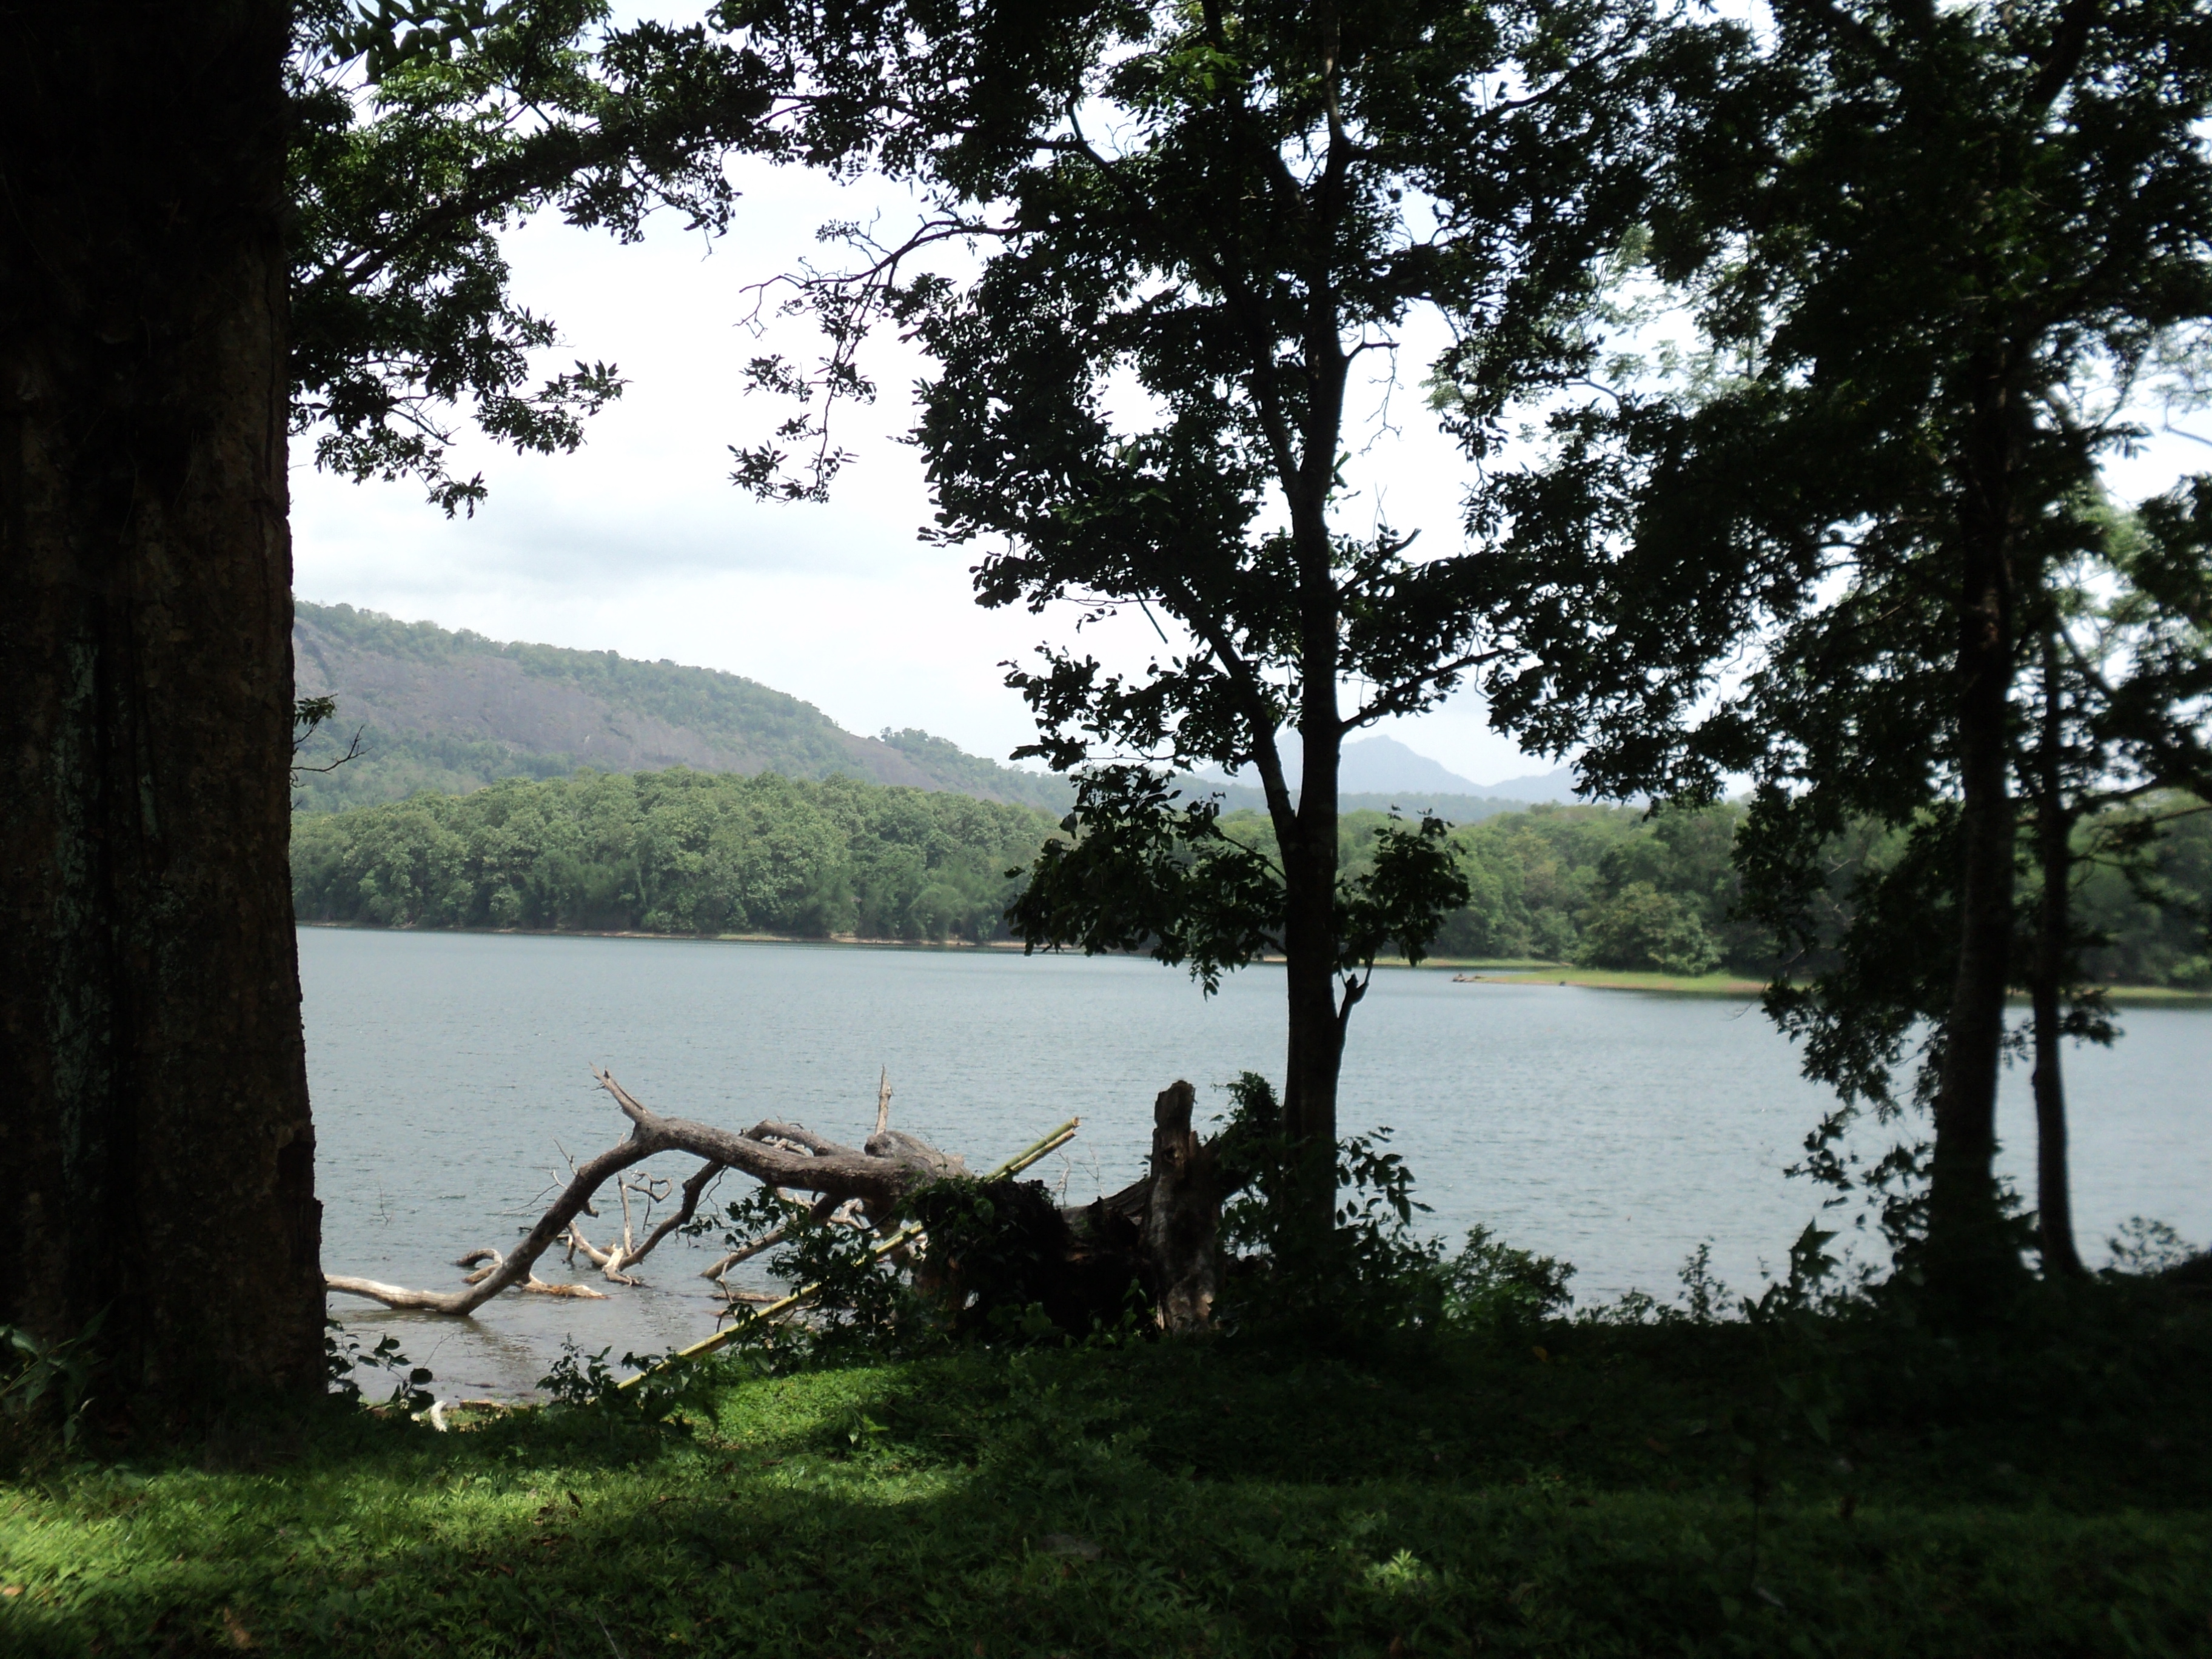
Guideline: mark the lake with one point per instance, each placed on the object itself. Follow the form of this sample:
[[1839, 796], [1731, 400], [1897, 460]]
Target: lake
[[1615, 1129]]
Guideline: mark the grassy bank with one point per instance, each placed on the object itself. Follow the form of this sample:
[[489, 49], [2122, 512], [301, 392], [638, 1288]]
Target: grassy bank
[[1730, 985], [1578, 1490], [1606, 979]]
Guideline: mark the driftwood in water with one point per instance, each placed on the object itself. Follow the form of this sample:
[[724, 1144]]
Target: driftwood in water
[[1079, 1264], [879, 1174]]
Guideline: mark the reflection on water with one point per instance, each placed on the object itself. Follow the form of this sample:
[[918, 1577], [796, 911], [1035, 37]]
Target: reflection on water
[[1613, 1129]]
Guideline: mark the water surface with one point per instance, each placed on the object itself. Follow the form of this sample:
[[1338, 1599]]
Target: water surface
[[1615, 1129]]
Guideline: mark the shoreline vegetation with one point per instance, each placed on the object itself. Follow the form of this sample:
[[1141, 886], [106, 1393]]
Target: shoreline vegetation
[[676, 852], [1611, 897], [1463, 971]]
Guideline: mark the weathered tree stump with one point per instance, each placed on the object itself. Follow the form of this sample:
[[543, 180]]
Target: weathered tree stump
[[1182, 1215]]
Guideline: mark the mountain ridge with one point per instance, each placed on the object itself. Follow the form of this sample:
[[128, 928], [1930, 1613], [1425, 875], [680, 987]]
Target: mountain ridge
[[1379, 770], [452, 710]]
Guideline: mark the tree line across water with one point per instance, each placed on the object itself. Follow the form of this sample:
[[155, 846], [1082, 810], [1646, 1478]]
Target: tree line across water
[[673, 852], [686, 852]]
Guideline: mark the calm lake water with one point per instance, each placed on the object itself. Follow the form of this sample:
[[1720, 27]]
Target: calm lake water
[[1615, 1129]]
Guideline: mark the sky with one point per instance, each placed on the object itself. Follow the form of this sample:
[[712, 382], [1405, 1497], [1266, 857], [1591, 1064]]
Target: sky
[[638, 542]]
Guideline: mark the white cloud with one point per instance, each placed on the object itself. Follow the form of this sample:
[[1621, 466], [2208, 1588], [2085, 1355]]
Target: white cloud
[[639, 544]]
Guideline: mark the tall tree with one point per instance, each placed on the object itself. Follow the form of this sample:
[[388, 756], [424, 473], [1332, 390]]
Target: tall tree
[[1933, 243], [157, 1127], [1194, 225], [2119, 681], [152, 155]]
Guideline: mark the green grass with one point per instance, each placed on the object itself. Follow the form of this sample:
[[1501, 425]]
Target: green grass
[[1624, 1491], [2158, 996], [1731, 985]]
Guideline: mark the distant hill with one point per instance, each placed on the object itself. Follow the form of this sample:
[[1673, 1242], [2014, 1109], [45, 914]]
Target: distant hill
[[1378, 765], [452, 712], [1385, 764], [1410, 803], [1558, 786], [1379, 773]]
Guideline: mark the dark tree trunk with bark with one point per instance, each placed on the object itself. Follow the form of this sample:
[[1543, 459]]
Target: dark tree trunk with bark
[[156, 1132], [2054, 835], [1966, 1251], [1316, 1045]]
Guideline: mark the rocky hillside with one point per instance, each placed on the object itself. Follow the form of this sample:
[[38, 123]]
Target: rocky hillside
[[451, 712]]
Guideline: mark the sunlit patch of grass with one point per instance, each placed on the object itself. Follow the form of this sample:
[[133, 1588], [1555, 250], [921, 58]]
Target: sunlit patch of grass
[[1732, 985]]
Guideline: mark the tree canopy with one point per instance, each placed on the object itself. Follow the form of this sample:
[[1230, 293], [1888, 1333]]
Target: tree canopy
[[676, 852], [1192, 224], [422, 130], [1934, 252]]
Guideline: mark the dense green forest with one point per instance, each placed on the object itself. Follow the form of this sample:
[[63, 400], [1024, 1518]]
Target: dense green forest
[[676, 852], [698, 853], [1619, 887]]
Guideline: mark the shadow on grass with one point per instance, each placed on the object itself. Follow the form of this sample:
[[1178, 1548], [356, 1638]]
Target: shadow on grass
[[1568, 1490]]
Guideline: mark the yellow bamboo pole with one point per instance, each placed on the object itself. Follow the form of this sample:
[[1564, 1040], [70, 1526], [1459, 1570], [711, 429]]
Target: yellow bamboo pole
[[905, 1235]]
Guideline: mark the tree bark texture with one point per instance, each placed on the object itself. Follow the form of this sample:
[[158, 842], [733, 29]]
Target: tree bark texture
[[1315, 1046], [1966, 1251], [1183, 1217], [2054, 833], [150, 992]]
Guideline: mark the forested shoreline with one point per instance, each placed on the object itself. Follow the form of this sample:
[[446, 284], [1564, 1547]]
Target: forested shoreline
[[682, 852], [674, 852]]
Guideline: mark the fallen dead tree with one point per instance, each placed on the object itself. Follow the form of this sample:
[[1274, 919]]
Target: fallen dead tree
[[1157, 1233]]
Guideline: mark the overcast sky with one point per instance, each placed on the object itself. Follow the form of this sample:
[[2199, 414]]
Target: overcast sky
[[639, 543]]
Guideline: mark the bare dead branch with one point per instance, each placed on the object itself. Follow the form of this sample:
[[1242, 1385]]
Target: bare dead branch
[[514, 1268], [773, 1153], [694, 1190]]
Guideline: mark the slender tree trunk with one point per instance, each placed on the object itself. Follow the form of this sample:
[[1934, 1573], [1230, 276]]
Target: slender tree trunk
[[1310, 855], [1316, 1039], [2054, 830], [1966, 1251], [1315, 1044], [156, 1130]]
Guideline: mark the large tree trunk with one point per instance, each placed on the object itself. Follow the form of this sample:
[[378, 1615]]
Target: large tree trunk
[[1316, 1045], [2054, 830], [156, 1132], [1967, 1250]]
